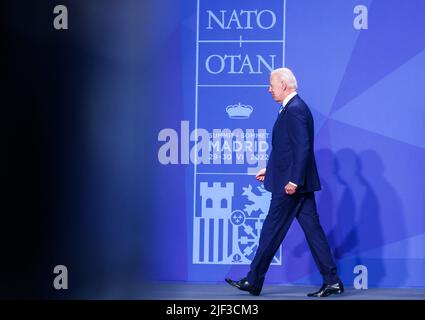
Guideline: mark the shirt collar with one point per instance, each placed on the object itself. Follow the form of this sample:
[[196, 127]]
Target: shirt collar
[[288, 97]]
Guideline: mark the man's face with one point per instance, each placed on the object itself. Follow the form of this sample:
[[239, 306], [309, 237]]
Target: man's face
[[277, 88]]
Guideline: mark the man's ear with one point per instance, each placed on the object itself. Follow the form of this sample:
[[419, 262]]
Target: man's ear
[[284, 85]]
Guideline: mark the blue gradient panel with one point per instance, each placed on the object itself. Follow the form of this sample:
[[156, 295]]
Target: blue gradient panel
[[364, 88]]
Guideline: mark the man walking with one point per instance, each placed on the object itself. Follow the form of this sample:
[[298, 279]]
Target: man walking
[[291, 176]]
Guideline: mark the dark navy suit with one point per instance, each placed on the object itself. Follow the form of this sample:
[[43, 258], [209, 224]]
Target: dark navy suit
[[292, 159]]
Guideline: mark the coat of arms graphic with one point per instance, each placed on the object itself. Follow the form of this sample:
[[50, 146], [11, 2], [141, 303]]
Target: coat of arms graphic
[[223, 235]]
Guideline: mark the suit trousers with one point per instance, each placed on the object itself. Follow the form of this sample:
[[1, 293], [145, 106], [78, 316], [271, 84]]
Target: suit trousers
[[283, 210]]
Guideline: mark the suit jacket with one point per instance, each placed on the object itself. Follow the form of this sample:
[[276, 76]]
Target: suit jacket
[[292, 156]]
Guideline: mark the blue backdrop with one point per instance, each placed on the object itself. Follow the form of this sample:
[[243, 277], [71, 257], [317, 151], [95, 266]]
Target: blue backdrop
[[364, 88]]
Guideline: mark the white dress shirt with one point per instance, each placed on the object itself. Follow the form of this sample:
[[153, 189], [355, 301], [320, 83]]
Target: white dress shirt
[[288, 97]]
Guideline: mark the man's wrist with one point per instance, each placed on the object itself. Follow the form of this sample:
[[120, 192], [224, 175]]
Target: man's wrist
[[293, 184]]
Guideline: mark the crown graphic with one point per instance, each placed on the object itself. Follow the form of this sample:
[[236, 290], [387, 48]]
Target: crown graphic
[[239, 111]]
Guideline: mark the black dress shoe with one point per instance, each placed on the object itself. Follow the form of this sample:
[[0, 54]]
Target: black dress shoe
[[327, 290], [244, 285]]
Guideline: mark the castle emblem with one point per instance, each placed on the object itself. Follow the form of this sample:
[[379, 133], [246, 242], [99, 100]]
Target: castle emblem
[[222, 235]]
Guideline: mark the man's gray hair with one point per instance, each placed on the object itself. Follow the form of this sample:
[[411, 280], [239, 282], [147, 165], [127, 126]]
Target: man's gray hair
[[287, 76]]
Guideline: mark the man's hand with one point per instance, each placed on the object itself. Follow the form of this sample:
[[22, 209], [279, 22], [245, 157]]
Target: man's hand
[[261, 175], [290, 188]]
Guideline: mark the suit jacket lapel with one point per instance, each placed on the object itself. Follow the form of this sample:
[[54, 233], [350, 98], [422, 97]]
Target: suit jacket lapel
[[281, 114], [287, 106]]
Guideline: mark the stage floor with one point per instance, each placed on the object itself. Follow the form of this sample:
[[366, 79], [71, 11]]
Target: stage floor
[[223, 291]]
